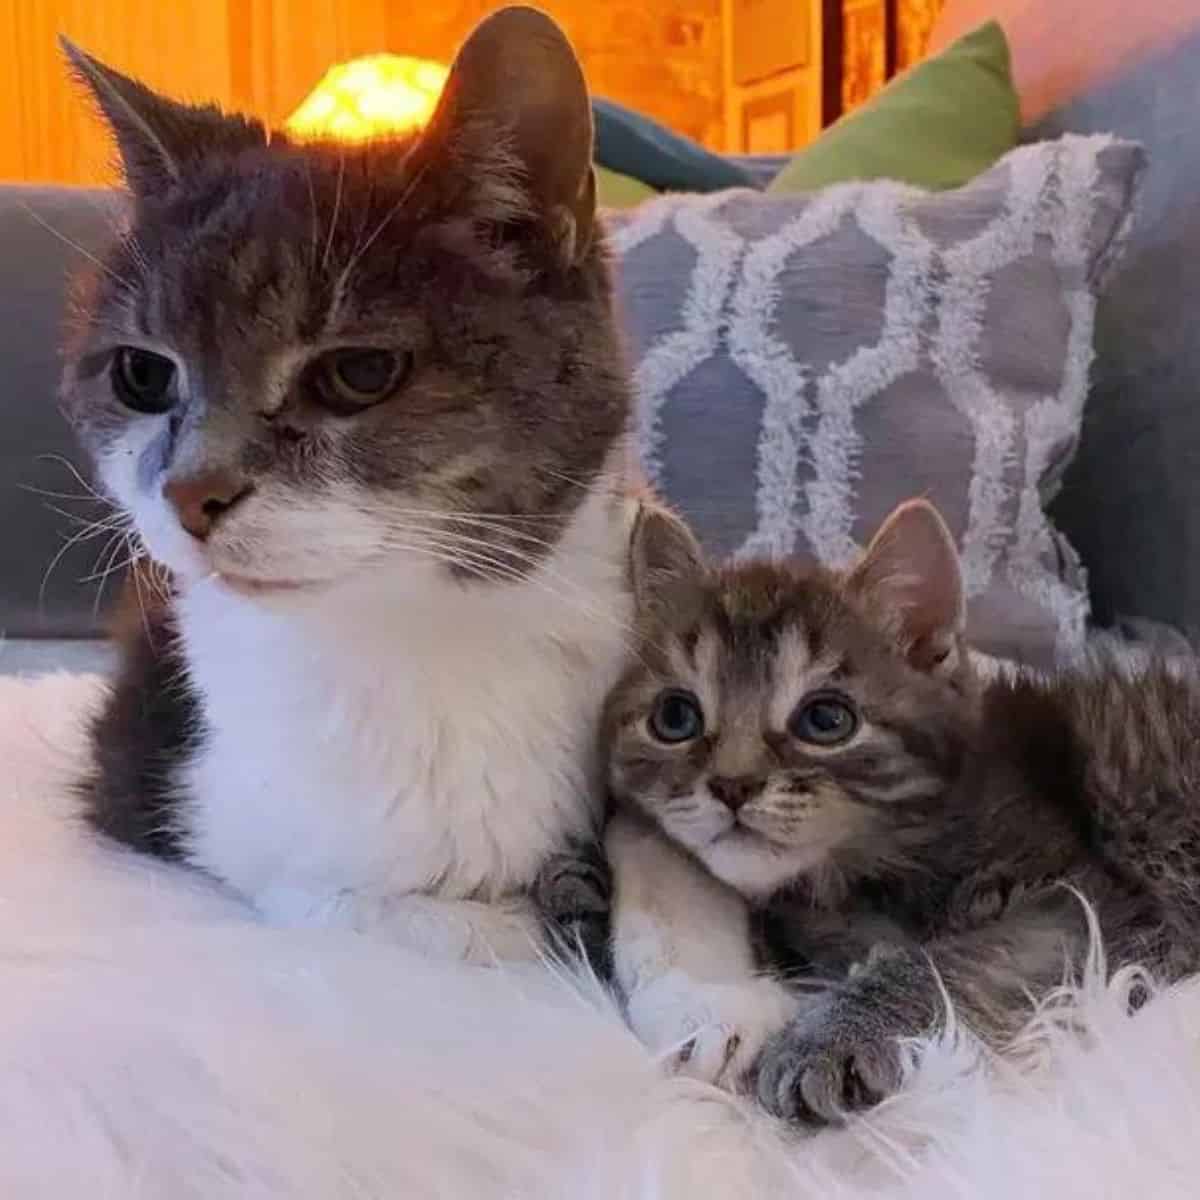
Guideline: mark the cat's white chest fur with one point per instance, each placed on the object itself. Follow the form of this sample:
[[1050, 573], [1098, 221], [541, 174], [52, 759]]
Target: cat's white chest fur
[[407, 735]]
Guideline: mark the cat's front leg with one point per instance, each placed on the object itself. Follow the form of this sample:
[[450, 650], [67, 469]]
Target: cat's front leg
[[684, 961], [843, 1053], [472, 931]]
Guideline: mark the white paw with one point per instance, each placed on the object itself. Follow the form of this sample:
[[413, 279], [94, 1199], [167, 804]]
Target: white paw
[[711, 1031]]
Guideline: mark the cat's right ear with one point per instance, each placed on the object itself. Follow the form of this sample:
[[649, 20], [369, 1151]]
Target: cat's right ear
[[158, 139], [666, 564], [517, 103], [911, 579]]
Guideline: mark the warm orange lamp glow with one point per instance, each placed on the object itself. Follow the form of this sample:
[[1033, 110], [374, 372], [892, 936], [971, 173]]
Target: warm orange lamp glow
[[369, 97]]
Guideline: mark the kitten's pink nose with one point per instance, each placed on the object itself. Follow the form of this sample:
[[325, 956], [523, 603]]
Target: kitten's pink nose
[[202, 499], [734, 793]]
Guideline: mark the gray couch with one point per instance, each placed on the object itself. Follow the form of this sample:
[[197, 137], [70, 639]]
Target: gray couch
[[1129, 503]]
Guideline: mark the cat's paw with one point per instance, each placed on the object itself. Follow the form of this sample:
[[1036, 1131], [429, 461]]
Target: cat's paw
[[573, 893], [711, 1031], [821, 1069]]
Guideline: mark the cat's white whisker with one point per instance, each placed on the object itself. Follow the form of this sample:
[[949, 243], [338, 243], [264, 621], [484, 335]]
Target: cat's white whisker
[[386, 220], [111, 549], [337, 209], [89, 530], [73, 471], [127, 285], [540, 573]]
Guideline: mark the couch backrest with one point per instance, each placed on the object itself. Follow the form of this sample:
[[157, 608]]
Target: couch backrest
[[45, 235]]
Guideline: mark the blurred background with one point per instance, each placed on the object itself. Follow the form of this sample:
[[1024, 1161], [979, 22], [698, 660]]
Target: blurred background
[[747, 76]]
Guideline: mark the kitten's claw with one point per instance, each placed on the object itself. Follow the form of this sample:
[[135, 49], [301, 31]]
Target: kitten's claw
[[818, 1074], [711, 1031]]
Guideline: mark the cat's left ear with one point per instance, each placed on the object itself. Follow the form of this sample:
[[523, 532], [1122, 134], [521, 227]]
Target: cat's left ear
[[517, 85], [910, 576], [158, 139]]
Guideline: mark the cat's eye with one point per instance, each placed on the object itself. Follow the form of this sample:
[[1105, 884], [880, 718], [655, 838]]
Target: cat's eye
[[142, 380], [824, 720], [349, 380], [676, 717]]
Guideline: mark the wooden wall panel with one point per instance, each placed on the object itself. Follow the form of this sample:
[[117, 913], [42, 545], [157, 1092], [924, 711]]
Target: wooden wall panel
[[280, 48], [662, 56], [48, 132], [915, 22], [263, 56]]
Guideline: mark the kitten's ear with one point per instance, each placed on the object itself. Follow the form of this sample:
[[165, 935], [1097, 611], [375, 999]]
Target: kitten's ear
[[910, 576], [158, 139], [517, 75], [665, 561]]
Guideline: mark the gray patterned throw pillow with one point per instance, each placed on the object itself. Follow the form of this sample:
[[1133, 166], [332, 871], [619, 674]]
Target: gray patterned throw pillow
[[804, 363]]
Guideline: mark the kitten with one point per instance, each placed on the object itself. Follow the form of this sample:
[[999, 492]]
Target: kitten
[[366, 405], [819, 744]]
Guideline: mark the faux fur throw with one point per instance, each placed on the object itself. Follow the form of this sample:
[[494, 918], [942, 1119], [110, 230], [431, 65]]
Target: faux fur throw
[[156, 1041]]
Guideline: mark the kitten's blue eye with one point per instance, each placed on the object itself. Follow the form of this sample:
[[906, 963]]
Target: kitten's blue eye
[[142, 380], [824, 720], [676, 717], [350, 380]]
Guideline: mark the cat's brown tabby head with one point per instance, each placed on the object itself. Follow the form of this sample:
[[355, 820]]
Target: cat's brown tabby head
[[304, 360], [784, 721]]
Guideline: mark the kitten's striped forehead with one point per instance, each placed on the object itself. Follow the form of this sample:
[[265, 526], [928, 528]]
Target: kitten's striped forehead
[[765, 636]]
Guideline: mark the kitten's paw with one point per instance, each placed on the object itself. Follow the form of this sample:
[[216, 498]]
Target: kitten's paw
[[819, 1072], [711, 1031]]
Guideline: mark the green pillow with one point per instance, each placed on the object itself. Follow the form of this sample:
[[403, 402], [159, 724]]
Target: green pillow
[[938, 125], [614, 190]]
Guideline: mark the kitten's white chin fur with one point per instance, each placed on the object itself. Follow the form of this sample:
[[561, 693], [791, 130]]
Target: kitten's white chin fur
[[754, 867], [402, 732]]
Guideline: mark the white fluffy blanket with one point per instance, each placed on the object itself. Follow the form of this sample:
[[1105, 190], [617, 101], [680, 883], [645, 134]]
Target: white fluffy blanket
[[156, 1042]]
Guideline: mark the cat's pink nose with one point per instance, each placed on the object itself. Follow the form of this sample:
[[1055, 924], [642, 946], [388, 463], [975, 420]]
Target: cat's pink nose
[[734, 793], [202, 499]]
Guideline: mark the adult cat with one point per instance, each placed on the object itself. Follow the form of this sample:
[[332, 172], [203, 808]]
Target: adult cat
[[366, 404]]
